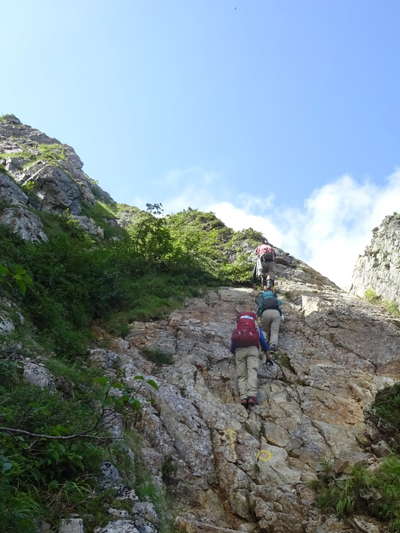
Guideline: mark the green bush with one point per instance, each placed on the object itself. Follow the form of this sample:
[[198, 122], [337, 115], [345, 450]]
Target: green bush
[[221, 252], [385, 414], [371, 296], [389, 305], [158, 356], [40, 476], [64, 284], [372, 492]]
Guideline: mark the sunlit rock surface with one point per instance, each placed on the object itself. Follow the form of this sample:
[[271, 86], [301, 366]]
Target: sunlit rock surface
[[251, 471], [378, 268]]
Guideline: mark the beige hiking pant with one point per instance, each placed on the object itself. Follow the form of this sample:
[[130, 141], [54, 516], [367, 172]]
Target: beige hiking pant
[[270, 322], [247, 362]]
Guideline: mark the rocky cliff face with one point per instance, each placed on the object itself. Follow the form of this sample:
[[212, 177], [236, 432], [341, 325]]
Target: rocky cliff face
[[378, 268], [250, 471], [37, 172]]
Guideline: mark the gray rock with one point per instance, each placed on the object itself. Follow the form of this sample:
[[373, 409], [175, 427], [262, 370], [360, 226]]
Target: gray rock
[[110, 476], [37, 374], [24, 223], [378, 268], [55, 189], [118, 526], [366, 525], [311, 402], [6, 324], [89, 225], [145, 514], [71, 525], [10, 192]]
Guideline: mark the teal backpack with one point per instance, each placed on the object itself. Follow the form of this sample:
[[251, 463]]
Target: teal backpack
[[266, 300]]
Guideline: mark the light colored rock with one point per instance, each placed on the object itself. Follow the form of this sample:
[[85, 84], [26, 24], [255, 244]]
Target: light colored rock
[[313, 410], [6, 324], [71, 525], [37, 374], [89, 225], [110, 476], [333, 525], [118, 526], [378, 268], [366, 525]]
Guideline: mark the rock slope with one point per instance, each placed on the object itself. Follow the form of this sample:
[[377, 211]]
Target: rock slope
[[378, 268], [251, 471]]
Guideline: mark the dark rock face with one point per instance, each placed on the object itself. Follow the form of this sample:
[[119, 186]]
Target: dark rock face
[[10, 192], [378, 268]]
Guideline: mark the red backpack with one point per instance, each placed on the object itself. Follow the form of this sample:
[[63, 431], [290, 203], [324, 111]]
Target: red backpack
[[246, 332]]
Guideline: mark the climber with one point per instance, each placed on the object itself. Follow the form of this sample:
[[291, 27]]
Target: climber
[[270, 313], [265, 262], [246, 340]]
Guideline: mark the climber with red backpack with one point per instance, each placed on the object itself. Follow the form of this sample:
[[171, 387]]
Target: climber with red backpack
[[270, 313], [246, 340], [264, 266]]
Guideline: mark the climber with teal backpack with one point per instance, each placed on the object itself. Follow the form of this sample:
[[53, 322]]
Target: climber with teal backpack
[[270, 314], [246, 340]]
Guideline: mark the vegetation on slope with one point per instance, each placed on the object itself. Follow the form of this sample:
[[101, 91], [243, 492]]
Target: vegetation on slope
[[389, 305], [62, 287]]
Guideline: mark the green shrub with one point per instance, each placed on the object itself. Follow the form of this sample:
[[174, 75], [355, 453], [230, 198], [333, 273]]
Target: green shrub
[[372, 492], [385, 414], [43, 477], [158, 356], [389, 305], [371, 296]]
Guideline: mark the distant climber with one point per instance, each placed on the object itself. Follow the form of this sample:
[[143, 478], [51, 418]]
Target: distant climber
[[246, 340], [264, 266], [270, 313]]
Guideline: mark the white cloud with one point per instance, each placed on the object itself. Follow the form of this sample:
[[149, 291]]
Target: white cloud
[[336, 223], [328, 233], [239, 218]]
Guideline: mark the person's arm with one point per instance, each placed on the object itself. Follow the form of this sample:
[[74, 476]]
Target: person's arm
[[232, 350], [263, 340]]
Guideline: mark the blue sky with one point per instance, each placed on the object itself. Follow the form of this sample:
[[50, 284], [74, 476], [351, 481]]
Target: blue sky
[[258, 106]]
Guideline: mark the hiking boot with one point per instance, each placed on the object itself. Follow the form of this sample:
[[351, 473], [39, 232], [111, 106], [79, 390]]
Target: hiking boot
[[244, 402], [251, 401]]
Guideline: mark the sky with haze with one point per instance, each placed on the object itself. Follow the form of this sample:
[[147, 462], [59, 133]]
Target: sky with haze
[[282, 115]]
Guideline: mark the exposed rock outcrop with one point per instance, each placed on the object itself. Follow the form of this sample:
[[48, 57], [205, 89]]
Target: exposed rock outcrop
[[251, 471], [37, 172], [378, 268]]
